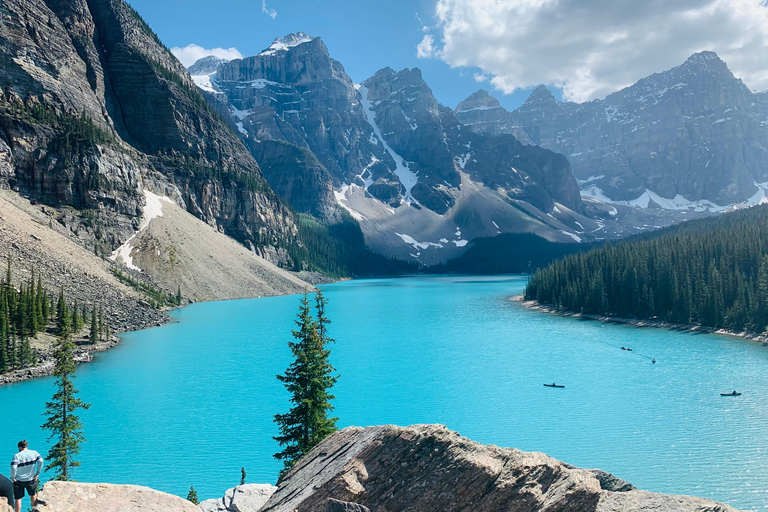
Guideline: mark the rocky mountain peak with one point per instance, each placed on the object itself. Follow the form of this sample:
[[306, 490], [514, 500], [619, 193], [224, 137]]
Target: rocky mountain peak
[[206, 65], [480, 100], [287, 42], [706, 67], [404, 86], [541, 95]]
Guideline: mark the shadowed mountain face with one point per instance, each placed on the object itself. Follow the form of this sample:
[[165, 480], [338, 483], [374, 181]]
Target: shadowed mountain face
[[695, 135], [383, 148], [94, 108]]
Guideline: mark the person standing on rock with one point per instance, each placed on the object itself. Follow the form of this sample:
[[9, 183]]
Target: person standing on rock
[[25, 470], [6, 490]]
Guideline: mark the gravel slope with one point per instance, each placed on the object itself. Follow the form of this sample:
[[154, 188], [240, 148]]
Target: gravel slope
[[179, 250]]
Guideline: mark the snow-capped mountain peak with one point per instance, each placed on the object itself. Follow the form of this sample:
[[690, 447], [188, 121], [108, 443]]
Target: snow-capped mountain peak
[[206, 65], [287, 42]]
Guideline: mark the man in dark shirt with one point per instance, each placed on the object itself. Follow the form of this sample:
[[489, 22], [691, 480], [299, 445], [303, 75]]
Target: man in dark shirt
[[6, 490]]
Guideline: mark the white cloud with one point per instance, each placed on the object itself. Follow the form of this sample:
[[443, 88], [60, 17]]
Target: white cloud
[[424, 28], [479, 77], [192, 53], [269, 12], [426, 48], [591, 48]]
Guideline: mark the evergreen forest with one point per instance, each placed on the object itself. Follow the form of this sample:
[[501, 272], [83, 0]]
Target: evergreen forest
[[29, 310], [711, 272]]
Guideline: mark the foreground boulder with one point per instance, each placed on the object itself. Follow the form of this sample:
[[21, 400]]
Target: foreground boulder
[[243, 498], [79, 497], [428, 468]]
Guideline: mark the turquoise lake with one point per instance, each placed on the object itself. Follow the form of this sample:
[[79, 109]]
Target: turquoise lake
[[192, 402]]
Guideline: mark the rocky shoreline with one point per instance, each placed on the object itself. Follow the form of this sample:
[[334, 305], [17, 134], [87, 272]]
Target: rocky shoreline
[[639, 322], [84, 353]]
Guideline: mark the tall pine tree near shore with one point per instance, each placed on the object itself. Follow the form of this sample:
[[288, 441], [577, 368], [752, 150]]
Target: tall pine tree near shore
[[308, 379], [61, 419]]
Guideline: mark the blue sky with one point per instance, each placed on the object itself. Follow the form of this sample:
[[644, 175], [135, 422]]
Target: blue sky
[[364, 35], [589, 48]]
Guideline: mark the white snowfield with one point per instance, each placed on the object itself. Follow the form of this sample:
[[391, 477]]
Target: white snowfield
[[206, 83], [678, 202], [404, 174], [152, 209], [289, 41]]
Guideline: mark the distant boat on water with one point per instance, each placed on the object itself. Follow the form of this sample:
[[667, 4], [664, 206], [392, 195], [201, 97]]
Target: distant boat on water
[[553, 385], [733, 393]]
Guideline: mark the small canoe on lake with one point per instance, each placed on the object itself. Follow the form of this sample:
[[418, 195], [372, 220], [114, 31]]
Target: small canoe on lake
[[731, 394], [553, 385]]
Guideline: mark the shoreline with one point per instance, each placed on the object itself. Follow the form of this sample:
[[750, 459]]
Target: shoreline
[[638, 322], [84, 353]]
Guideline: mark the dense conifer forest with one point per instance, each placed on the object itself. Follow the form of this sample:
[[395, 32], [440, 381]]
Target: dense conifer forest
[[339, 250], [712, 272], [29, 310]]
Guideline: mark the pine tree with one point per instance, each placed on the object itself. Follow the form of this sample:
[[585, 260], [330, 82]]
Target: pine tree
[[308, 380], [192, 495], [61, 420], [4, 366], [8, 274], [25, 356], [63, 318], [323, 380], [93, 337], [76, 319], [101, 322]]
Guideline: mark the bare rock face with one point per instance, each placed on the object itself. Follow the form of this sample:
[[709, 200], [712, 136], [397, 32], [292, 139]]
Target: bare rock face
[[428, 468], [92, 106], [70, 496], [344, 506]]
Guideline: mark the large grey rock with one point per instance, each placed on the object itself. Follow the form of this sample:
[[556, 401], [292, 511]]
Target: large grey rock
[[251, 497], [213, 505], [80, 497], [243, 498], [428, 468]]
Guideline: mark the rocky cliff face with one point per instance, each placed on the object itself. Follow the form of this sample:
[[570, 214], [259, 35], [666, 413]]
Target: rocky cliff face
[[386, 151], [691, 137], [94, 108]]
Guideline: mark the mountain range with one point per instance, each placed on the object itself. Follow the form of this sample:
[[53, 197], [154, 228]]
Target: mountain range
[[283, 152], [421, 184], [692, 137]]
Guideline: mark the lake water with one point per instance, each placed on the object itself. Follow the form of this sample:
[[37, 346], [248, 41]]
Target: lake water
[[192, 402]]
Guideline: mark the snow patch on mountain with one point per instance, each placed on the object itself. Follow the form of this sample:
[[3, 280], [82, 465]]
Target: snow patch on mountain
[[760, 197], [417, 245], [404, 174], [206, 83], [650, 198], [153, 208], [285, 43]]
